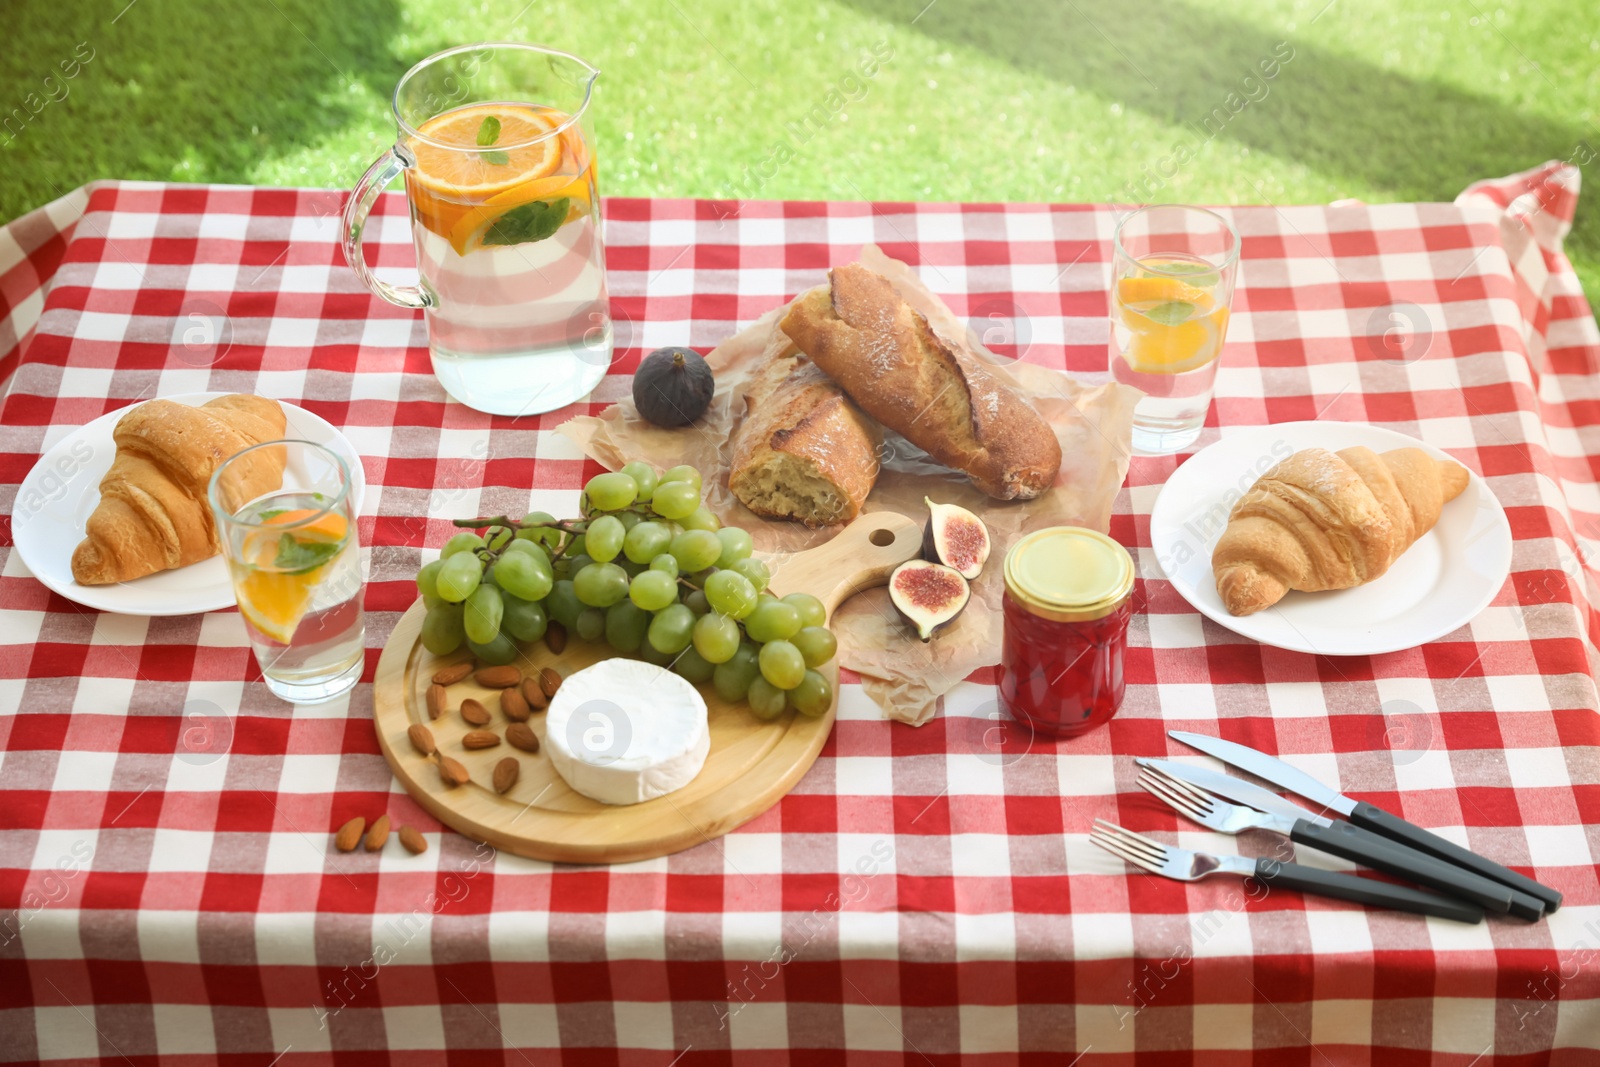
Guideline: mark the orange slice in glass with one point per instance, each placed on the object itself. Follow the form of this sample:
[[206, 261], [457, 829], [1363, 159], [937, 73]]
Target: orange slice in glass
[[1176, 326], [274, 599], [1159, 290], [1161, 349]]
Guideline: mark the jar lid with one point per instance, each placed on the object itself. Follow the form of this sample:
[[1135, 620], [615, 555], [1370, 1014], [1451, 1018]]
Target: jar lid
[[1068, 574]]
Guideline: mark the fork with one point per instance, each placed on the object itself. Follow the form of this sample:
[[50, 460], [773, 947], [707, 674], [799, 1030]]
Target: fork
[[1339, 838], [1190, 865]]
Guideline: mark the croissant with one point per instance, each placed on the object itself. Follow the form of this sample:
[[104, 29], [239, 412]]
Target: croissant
[[1323, 520], [153, 514]]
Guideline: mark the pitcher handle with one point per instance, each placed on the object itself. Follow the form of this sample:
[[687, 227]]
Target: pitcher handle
[[384, 170]]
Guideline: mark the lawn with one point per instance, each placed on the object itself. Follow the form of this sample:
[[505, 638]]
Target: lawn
[[1065, 100]]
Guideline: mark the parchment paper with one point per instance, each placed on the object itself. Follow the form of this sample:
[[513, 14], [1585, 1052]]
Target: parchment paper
[[902, 674]]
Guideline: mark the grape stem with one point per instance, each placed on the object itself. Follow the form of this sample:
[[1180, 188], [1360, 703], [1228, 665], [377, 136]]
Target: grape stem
[[564, 525], [489, 555]]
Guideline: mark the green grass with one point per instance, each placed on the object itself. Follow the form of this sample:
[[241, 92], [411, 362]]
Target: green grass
[[977, 100]]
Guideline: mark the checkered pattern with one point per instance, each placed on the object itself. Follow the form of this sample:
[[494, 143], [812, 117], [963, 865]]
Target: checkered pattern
[[166, 878]]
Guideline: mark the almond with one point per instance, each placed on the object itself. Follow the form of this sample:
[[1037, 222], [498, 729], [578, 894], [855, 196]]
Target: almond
[[498, 677], [505, 774], [349, 835], [521, 735], [512, 706], [549, 681], [453, 772], [533, 694], [436, 700], [452, 674], [412, 838], [476, 739], [378, 834], [556, 637], [422, 739], [475, 713]]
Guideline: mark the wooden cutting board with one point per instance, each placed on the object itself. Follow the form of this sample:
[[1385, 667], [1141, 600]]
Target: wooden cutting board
[[752, 764]]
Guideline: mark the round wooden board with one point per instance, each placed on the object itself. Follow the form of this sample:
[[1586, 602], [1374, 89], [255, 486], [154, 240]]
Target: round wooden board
[[752, 764]]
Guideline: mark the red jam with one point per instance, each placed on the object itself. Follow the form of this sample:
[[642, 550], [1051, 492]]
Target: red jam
[[1066, 630], [1062, 678]]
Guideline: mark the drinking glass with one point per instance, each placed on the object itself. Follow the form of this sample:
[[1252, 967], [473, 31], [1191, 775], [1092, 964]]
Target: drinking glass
[[296, 565], [1171, 286], [499, 170]]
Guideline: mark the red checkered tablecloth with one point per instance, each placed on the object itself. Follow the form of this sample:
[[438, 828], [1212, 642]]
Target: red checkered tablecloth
[[167, 883]]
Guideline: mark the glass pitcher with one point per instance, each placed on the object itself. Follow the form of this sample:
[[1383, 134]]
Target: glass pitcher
[[499, 166]]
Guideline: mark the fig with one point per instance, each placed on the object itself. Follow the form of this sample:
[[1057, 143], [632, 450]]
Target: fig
[[929, 595], [955, 537], [673, 387]]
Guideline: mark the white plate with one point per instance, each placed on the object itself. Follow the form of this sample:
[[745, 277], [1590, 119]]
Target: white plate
[[55, 500], [1442, 581]]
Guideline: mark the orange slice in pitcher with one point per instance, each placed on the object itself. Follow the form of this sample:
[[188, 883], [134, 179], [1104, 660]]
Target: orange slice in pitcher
[[469, 170], [472, 229], [277, 589], [457, 176]]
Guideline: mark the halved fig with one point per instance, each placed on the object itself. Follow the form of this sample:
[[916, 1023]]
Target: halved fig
[[955, 537], [929, 595]]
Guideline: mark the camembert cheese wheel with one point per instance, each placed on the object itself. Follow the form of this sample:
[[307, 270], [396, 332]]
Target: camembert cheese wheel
[[623, 731]]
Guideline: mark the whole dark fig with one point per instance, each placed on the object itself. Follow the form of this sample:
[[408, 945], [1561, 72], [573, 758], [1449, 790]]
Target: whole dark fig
[[673, 387], [929, 595]]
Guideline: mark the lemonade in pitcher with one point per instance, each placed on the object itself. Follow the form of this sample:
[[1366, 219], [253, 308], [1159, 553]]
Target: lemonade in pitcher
[[508, 240], [505, 218]]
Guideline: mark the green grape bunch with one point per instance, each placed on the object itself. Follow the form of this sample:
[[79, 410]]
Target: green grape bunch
[[646, 568]]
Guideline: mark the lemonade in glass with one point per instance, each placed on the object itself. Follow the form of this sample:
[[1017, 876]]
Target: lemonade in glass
[[296, 568], [1171, 288]]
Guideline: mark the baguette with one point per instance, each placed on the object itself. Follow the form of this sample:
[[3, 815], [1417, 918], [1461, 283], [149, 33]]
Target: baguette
[[884, 354], [804, 451]]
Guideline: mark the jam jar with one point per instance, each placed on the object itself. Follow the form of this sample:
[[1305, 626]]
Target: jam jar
[[1066, 629]]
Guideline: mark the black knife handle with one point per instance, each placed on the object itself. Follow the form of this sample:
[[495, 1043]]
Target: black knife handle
[[1364, 890], [1410, 834], [1382, 854]]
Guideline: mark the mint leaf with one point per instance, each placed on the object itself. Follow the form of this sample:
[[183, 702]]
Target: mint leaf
[[1171, 313], [488, 134], [531, 222], [270, 513], [1203, 275], [297, 557]]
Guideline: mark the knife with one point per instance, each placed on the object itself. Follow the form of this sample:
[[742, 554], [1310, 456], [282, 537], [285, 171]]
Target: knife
[[1355, 844], [1363, 814]]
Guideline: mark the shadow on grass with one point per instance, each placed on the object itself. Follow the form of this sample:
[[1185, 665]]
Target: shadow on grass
[[1337, 115], [184, 90]]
